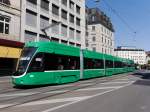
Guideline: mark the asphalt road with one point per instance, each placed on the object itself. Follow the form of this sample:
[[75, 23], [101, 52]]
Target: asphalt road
[[121, 93]]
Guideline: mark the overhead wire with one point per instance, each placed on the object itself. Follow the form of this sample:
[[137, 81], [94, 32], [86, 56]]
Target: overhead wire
[[120, 17]]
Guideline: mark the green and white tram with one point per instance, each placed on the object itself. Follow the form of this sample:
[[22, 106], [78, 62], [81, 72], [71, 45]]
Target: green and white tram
[[53, 63]]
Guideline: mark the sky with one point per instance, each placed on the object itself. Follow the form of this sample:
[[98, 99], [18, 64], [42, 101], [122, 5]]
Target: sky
[[133, 29]]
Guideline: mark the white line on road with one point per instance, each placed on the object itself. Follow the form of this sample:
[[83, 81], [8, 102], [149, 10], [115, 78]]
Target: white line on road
[[5, 81], [65, 105], [17, 94], [119, 82], [121, 79], [91, 89], [6, 105], [74, 85], [55, 101]]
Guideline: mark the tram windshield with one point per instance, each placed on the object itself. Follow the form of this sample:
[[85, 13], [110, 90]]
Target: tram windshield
[[24, 60]]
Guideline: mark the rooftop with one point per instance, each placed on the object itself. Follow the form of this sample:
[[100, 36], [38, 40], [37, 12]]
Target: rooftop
[[99, 18]]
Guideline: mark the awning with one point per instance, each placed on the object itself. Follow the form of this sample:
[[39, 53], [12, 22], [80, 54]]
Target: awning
[[9, 52]]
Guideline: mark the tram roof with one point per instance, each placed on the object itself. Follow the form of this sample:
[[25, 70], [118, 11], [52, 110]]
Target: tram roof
[[56, 48]]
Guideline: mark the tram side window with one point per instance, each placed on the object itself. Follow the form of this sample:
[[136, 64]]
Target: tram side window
[[61, 62], [88, 63], [37, 63], [99, 64], [74, 63], [124, 64], [118, 64], [109, 64], [50, 62], [93, 63]]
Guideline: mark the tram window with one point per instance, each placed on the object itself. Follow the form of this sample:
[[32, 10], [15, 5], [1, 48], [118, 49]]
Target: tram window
[[61, 62], [70, 62], [118, 64], [109, 64], [88, 63], [99, 64], [37, 63], [93, 63], [50, 62]]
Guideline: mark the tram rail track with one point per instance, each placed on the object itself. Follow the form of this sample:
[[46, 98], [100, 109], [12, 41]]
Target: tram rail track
[[40, 95]]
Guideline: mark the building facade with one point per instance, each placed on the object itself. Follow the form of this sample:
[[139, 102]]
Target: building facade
[[148, 57], [10, 19], [10, 47], [64, 18], [100, 32], [138, 55]]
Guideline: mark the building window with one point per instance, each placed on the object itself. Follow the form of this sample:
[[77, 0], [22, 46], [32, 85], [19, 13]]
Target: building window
[[64, 30], [94, 39], [4, 24], [87, 44], [55, 28], [43, 38], [31, 18], [71, 5], [78, 21], [30, 36], [64, 14], [93, 18], [78, 35], [55, 9], [102, 29], [32, 1], [71, 18], [93, 28], [111, 43], [78, 9], [71, 33], [102, 38], [94, 48], [44, 22], [7, 2], [64, 2], [45, 4]]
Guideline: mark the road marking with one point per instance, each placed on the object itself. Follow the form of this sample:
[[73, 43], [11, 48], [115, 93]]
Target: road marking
[[5, 81], [86, 84], [74, 85], [74, 102], [56, 92], [122, 79], [54, 101], [91, 89], [17, 94], [119, 82], [6, 105]]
